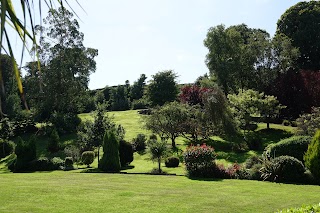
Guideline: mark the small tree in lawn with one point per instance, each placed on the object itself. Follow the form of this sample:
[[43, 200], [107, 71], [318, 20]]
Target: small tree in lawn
[[110, 161], [158, 151], [87, 158]]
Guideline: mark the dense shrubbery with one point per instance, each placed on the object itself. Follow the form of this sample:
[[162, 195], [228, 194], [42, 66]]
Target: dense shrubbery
[[26, 152], [139, 143], [53, 143], [304, 209], [200, 161], [283, 169], [6, 148], [294, 146], [110, 161], [125, 153], [87, 158], [312, 156], [68, 163], [308, 124], [65, 123], [140, 104], [172, 161]]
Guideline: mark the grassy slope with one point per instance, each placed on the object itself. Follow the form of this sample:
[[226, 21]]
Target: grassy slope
[[74, 192]]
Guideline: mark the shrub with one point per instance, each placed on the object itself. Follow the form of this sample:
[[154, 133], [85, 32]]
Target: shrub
[[253, 160], [68, 163], [140, 104], [139, 143], [87, 158], [303, 209], [53, 143], [283, 169], [254, 141], [308, 124], [57, 163], [199, 161], [110, 161], [312, 156], [125, 153], [255, 172], [286, 123], [172, 161], [65, 123], [6, 148], [41, 164], [73, 152], [294, 146], [26, 152]]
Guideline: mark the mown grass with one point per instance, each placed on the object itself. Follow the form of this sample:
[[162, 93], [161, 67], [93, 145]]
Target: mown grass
[[74, 192]]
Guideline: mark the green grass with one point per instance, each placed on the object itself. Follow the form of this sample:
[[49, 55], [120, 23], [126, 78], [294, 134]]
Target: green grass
[[74, 192]]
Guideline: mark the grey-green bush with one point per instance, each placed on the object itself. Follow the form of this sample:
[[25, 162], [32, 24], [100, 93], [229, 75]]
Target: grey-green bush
[[110, 161], [294, 146], [87, 158]]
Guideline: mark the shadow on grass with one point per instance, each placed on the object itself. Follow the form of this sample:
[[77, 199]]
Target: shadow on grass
[[205, 179], [236, 157], [269, 136]]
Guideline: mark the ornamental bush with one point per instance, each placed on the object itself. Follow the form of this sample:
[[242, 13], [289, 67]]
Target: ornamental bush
[[200, 161], [53, 143], [312, 156], [110, 161], [68, 163], [139, 143], [294, 146], [172, 161], [125, 153], [26, 152], [87, 158]]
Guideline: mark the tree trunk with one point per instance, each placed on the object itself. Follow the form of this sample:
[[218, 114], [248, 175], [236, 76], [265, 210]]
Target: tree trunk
[[159, 165], [268, 125], [98, 154], [173, 142]]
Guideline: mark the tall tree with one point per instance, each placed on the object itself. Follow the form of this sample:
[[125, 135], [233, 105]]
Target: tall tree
[[162, 88], [301, 23], [137, 89]]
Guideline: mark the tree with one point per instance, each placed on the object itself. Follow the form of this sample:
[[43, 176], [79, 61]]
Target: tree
[[312, 156], [269, 107], [137, 89], [119, 98], [158, 151], [67, 64], [192, 95], [301, 24], [162, 88], [110, 161], [167, 121]]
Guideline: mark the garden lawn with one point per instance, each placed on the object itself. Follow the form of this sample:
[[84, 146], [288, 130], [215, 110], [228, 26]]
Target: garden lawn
[[74, 192]]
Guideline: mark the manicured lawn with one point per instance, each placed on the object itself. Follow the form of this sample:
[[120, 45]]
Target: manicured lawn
[[75, 192]]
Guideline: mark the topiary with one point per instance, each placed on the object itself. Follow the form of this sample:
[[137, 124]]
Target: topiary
[[41, 164], [53, 143], [68, 163], [312, 156], [172, 161], [125, 153], [294, 146], [87, 158], [110, 161], [57, 163], [283, 169]]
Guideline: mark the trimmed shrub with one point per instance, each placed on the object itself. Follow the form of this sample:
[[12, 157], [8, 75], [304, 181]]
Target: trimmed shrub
[[87, 158], [200, 161], [110, 161], [283, 169], [57, 163], [6, 148], [26, 152], [172, 161], [41, 164], [294, 146], [253, 160], [53, 143], [125, 153], [312, 156], [68, 163], [308, 124], [139, 143]]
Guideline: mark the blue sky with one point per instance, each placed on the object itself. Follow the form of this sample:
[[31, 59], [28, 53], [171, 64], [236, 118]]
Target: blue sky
[[147, 36]]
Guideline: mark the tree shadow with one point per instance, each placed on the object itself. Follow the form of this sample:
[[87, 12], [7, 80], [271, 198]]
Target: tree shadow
[[269, 136]]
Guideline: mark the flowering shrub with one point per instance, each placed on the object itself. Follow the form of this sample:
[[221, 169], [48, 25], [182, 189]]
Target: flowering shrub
[[199, 161]]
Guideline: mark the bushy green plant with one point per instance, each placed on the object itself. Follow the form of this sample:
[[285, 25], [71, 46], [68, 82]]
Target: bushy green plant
[[125, 153], [26, 152], [254, 141], [139, 143], [41, 164], [65, 123], [140, 104], [172, 161], [87, 158], [110, 161], [158, 150], [68, 163], [6, 148], [283, 169], [53, 143], [303, 209], [200, 160], [312, 156], [294, 146], [308, 124], [73, 152], [253, 160], [57, 163]]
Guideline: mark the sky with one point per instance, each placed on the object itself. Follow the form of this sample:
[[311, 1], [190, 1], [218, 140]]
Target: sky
[[136, 37]]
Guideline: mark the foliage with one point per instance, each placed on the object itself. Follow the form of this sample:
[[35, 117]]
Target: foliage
[[303, 209], [172, 161], [283, 169], [46, 164], [312, 156], [72, 152], [162, 88], [68, 163], [140, 104], [87, 157], [137, 89], [54, 142], [294, 146], [301, 24], [6, 148], [158, 151], [139, 143], [119, 98], [308, 124], [199, 160], [192, 95], [65, 122], [125, 153], [110, 161], [26, 152]]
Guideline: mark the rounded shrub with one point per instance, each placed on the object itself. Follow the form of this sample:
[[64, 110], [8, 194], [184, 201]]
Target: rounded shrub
[[312, 156], [200, 161], [125, 153], [57, 163], [87, 157], [294, 146], [283, 169], [139, 143], [41, 164], [26, 152], [172, 161], [6, 148], [68, 163]]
